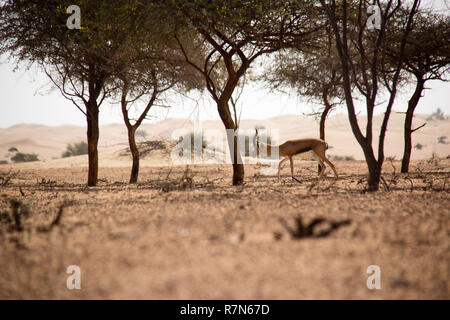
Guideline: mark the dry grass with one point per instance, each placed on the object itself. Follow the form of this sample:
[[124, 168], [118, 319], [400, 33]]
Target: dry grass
[[186, 234]]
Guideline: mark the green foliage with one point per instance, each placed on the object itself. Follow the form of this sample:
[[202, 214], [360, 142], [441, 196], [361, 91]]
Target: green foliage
[[427, 54], [75, 149], [24, 157]]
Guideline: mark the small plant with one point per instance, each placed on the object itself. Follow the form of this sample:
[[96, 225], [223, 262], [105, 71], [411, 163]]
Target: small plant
[[419, 146], [302, 230], [184, 183], [437, 115], [19, 210], [442, 140], [141, 134], [13, 149], [57, 220], [342, 158], [6, 177], [45, 182], [5, 217], [24, 157], [76, 149]]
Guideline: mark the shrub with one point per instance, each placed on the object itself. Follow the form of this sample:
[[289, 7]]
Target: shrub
[[438, 115], [24, 157], [419, 146], [141, 134], [75, 149], [442, 140], [14, 217], [342, 158]]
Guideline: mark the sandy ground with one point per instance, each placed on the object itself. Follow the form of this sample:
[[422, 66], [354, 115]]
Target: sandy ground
[[191, 235]]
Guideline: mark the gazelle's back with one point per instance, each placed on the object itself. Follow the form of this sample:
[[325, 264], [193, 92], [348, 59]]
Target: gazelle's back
[[297, 146]]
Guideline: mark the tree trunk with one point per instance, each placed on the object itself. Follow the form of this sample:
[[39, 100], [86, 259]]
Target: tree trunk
[[134, 154], [238, 166], [412, 104], [344, 56], [323, 117], [374, 175], [93, 133]]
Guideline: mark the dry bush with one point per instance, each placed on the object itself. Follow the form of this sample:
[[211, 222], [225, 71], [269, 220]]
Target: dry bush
[[309, 230], [6, 177], [15, 216], [167, 184], [148, 146]]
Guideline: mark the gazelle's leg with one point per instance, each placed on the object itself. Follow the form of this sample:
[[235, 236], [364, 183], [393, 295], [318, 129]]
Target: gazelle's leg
[[318, 157], [292, 166], [322, 170], [332, 166], [324, 159], [322, 166], [279, 167]]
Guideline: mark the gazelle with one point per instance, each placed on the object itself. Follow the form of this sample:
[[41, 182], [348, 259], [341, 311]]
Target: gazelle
[[291, 148]]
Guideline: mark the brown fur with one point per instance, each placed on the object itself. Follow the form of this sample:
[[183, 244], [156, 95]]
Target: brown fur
[[291, 148]]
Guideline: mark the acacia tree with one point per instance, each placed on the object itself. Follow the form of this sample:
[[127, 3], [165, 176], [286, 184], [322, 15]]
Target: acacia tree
[[348, 21], [147, 66], [78, 62], [427, 57], [236, 33], [313, 73], [133, 89], [315, 78], [148, 79]]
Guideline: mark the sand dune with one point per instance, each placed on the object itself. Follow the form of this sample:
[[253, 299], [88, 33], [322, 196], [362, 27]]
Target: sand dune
[[50, 142]]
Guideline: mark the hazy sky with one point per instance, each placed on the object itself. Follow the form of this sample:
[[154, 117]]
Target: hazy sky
[[25, 98]]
